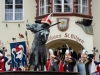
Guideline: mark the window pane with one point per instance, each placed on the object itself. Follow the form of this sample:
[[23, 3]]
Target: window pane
[[57, 1], [47, 9], [47, 2], [8, 16], [18, 8], [41, 11], [18, 1], [78, 1], [85, 2], [84, 10], [8, 1], [41, 3], [8, 8], [78, 9], [67, 1], [57, 8], [67, 8], [18, 16]]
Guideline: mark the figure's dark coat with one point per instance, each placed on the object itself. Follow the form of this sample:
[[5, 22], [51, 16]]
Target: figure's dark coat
[[69, 65]]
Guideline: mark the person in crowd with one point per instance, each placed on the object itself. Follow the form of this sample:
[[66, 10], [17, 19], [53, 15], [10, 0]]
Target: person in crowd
[[3, 60], [69, 62], [73, 53], [52, 63], [83, 63]]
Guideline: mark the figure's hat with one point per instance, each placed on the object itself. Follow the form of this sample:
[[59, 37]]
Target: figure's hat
[[17, 48], [84, 52], [47, 19], [67, 52], [51, 53]]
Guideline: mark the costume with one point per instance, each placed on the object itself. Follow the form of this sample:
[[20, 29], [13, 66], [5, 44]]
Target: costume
[[69, 65], [69, 62], [61, 68], [53, 63], [3, 61], [56, 66], [83, 64]]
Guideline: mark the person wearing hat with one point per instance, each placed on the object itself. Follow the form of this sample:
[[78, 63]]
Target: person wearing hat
[[69, 62], [83, 63], [3, 61], [53, 62]]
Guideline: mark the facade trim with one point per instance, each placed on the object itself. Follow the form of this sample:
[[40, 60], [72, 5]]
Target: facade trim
[[64, 14]]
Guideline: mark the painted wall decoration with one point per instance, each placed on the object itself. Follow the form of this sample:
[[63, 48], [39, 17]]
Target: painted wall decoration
[[63, 26], [18, 54]]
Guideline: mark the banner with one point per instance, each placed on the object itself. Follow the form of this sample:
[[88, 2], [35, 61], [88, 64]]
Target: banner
[[18, 55]]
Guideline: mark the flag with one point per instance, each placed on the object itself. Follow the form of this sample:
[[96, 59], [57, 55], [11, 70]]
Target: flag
[[18, 54]]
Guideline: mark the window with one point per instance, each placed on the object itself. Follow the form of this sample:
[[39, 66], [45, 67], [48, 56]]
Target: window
[[13, 10], [82, 6], [44, 7], [63, 5]]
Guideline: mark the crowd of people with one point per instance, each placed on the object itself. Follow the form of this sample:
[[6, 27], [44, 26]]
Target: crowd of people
[[82, 63], [67, 61]]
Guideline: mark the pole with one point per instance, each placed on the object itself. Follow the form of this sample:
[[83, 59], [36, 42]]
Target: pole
[[49, 26]]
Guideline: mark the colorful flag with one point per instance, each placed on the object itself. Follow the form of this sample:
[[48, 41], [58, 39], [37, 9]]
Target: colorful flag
[[18, 55]]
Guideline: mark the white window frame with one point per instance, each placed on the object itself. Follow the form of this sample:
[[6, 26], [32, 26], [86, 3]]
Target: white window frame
[[13, 13], [62, 7], [43, 7], [81, 4]]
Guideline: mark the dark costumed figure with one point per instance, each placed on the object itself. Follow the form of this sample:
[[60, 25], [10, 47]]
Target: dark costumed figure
[[69, 62]]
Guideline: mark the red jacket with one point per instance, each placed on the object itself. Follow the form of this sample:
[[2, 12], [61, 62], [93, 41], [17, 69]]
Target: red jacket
[[61, 69]]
